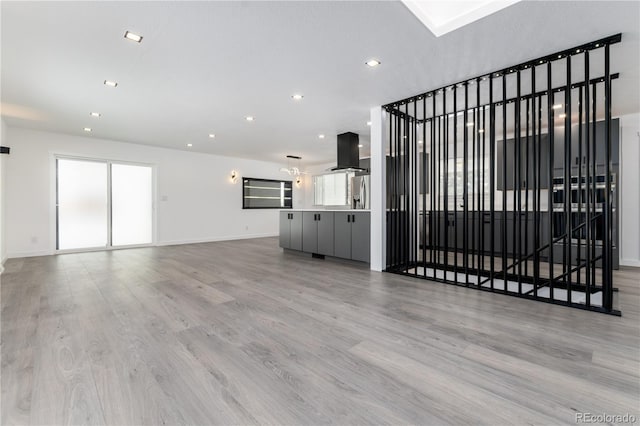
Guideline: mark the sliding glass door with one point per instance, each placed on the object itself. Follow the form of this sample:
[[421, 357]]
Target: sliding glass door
[[131, 204], [101, 204], [82, 204]]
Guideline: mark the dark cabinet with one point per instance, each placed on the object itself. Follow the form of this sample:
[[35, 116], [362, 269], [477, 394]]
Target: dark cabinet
[[291, 230], [352, 235], [317, 231], [532, 157], [361, 237], [520, 234], [423, 175], [600, 154], [450, 231], [484, 222], [518, 239]]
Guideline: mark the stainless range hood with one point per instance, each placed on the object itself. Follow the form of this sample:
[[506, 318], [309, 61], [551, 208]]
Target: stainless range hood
[[348, 152]]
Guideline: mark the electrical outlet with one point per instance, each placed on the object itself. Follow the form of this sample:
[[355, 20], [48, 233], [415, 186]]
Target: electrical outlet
[[34, 240], [246, 228]]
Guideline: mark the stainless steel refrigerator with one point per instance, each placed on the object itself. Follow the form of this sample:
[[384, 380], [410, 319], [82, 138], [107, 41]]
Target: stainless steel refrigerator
[[361, 192]]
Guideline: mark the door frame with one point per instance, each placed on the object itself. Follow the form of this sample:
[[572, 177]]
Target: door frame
[[54, 157]]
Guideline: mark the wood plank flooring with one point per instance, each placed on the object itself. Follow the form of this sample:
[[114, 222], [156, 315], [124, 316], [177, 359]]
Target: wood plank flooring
[[242, 333]]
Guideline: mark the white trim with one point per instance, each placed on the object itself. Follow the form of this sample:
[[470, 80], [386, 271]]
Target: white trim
[[630, 262], [378, 231], [29, 254], [215, 239], [106, 248], [53, 189], [160, 244]]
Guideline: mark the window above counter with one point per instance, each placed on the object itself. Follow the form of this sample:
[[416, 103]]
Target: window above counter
[[266, 194]]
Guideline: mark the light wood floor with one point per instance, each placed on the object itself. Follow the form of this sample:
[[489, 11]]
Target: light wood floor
[[242, 333]]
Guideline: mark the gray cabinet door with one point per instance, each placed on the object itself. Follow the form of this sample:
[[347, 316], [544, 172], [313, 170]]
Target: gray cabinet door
[[451, 232], [325, 233], [342, 235], [441, 229], [360, 236], [473, 231], [527, 170], [505, 182], [285, 230], [600, 153], [537, 156], [601, 144], [497, 232], [296, 231], [309, 232], [558, 149]]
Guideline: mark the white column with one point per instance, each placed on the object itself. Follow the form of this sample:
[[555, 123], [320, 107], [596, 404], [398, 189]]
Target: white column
[[378, 190], [629, 196]]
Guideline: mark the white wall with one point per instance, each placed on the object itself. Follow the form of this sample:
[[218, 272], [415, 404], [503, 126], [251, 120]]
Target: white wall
[[3, 180], [630, 190], [201, 202]]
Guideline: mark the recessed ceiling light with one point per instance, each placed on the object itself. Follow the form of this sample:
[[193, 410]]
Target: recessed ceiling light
[[556, 106], [94, 114], [87, 129], [297, 97], [189, 145], [419, 141], [211, 135], [373, 62], [134, 37], [360, 146], [470, 124], [563, 115], [320, 136], [481, 131], [110, 83], [368, 123], [249, 118]]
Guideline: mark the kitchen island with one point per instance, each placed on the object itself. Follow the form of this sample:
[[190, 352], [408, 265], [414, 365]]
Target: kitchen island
[[337, 233]]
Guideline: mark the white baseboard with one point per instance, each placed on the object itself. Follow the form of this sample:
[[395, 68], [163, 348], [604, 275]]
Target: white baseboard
[[160, 243], [29, 254], [215, 239], [630, 262]]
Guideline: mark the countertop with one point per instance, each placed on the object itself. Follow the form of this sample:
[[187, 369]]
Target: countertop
[[327, 210]]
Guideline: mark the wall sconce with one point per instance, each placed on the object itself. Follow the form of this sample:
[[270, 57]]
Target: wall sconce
[[234, 176], [298, 180]]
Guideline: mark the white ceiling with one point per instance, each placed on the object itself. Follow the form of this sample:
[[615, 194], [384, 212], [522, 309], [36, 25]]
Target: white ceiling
[[445, 16], [203, 66]]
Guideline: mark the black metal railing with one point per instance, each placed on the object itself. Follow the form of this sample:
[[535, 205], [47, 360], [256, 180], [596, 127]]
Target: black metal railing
[[506, 182]]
